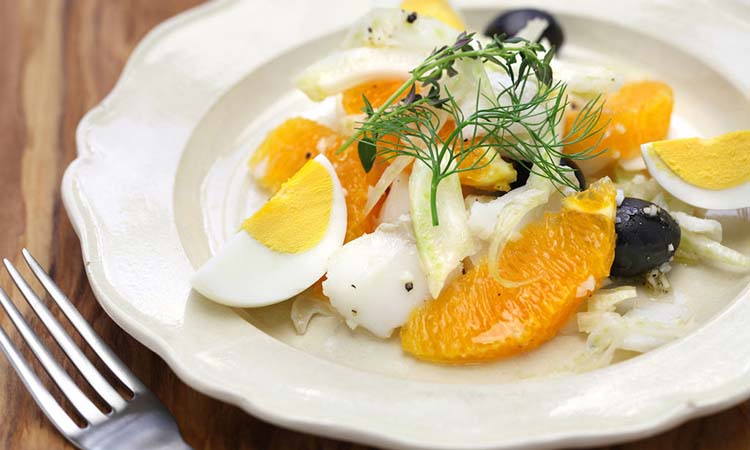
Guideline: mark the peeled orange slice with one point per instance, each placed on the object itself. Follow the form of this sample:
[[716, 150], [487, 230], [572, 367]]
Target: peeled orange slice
[[377, 92], [490, 173], [639, 112], [288, 147], [556, 263]]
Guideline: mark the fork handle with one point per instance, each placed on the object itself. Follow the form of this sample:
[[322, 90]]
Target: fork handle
[[145, 425], [176, 445], [167, 441]]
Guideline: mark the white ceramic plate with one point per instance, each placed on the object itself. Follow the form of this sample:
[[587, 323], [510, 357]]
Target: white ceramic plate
[[160, 181]]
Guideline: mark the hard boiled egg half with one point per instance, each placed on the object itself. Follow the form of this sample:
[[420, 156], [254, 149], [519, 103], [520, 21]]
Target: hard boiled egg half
[[284, 247], [707, 173]]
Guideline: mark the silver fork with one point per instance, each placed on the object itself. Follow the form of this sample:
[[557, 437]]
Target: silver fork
[[141, 422]]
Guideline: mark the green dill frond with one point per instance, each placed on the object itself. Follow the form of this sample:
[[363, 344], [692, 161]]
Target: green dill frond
[[519, 123]]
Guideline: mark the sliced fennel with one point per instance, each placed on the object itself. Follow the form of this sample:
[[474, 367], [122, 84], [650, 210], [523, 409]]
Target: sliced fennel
[[471, 89], [388, 28], [396, 205], [701, 241], [393, 170], [639, 186], [381, 45], [584, 80], [615, 319], [512, 213], [510, 217], [483, 215], [713, 253], [707, 227], [345, 69], [670, 203], [305, 307], [442, 247], [607, 300]]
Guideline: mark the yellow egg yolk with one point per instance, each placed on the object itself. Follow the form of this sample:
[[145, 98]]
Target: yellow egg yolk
[[296, 218], [718, 163], [437, 9]]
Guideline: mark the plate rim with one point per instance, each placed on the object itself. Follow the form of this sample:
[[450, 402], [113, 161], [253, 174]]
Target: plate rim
[[685, 408]]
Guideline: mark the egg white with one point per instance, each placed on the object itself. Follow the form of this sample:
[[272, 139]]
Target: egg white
[[245, 273], [731, 198]]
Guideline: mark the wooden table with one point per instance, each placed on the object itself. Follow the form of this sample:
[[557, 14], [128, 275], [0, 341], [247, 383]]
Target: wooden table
[[59, 58]]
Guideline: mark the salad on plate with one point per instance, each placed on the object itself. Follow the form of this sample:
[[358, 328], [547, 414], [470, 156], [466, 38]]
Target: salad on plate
[[477, 194]]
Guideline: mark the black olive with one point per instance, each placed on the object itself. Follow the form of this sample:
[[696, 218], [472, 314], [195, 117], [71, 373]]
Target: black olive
[[647, 237], [576, 171], [513, 21], [522, 173]]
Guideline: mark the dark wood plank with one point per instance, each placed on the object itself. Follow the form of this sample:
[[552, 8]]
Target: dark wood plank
[[59, 58]]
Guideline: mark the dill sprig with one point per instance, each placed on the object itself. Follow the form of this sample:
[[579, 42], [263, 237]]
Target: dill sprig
[[520, 122]]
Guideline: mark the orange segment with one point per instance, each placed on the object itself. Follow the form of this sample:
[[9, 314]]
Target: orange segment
[[288, 147], [559, 260], [639, 112], [354, 180], [377, 92], [495, 175]]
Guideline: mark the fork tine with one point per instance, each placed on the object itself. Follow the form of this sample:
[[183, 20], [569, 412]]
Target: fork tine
[[79, 400], [43, 398], [84, 329], [92, 375]]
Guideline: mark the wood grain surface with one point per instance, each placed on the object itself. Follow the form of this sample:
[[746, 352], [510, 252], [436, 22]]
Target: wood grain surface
[[59, 58]]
